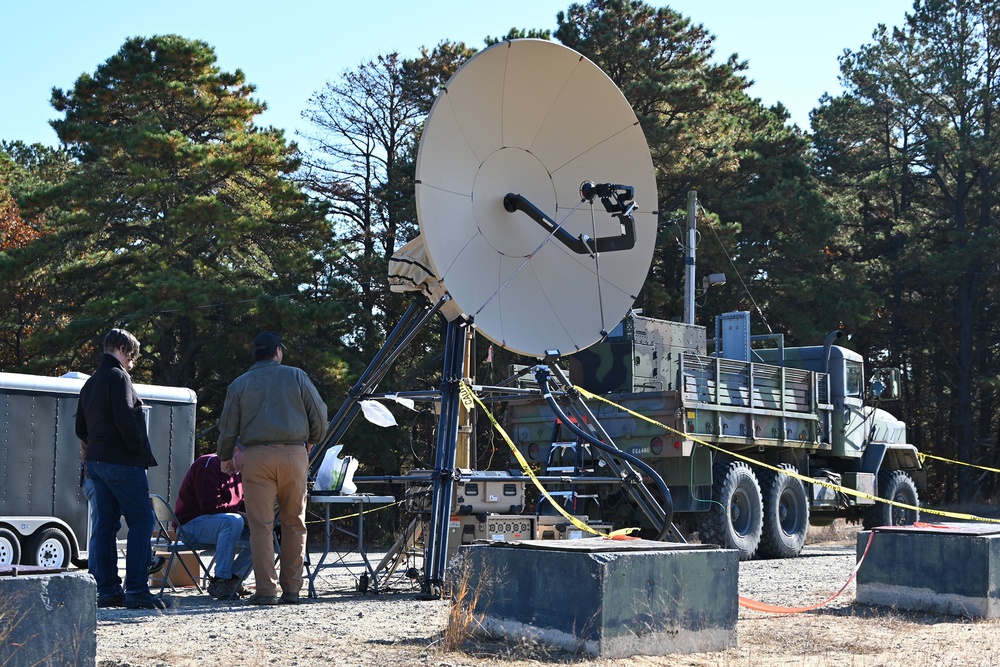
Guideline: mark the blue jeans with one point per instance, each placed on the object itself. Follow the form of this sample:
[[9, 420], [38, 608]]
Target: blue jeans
[[120, 491], [222, 530], [93, 566]]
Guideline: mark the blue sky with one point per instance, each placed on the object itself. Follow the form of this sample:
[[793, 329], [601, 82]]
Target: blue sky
[[290, 49]]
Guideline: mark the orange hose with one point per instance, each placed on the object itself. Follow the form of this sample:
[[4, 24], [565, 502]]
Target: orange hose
[[775, 609]]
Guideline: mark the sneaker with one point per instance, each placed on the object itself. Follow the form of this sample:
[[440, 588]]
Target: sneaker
[[266, 600], [104, 601], [243, 591], [156, 564], [290, 598], [223, 589], [146, 601]]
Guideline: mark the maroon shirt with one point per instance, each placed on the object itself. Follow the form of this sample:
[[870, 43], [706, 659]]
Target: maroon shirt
[[208, 490]]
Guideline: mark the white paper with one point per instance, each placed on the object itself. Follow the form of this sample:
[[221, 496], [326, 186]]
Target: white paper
[[405, 402], [377, 413]]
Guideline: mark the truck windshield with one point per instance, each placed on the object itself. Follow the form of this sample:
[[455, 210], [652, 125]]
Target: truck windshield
[[852, 384]]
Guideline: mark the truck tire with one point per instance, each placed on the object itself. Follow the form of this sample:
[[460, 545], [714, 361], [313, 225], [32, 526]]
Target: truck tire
[[786, 515], [736, 516], [893, 485], [48, 547], [10, 548]]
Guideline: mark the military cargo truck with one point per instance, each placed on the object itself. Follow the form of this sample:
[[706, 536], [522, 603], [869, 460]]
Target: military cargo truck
[[43, 510], [801, 409]]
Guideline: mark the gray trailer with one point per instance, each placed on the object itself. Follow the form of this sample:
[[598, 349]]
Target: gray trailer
[[43, 510]]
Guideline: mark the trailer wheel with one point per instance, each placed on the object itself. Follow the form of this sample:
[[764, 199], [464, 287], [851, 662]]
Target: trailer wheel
[[895, 485], [10, 548], [48, 548], [736, 516], [786, 515]]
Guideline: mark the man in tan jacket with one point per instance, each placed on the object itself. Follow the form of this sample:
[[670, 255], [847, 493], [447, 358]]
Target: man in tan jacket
[[277, 415]]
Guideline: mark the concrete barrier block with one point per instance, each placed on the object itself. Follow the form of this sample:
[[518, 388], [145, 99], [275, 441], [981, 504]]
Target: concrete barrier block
[[48, 619], [947, 568], [606, 598]]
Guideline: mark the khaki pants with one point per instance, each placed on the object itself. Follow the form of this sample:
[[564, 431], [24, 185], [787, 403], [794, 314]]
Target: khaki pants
[[276, 472]]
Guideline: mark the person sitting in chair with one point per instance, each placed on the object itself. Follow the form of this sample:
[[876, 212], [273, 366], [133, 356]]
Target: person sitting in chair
[[210, 509]]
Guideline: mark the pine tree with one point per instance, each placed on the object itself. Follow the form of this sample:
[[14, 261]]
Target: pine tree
[[911, 152], [180, 223], [765, 222]]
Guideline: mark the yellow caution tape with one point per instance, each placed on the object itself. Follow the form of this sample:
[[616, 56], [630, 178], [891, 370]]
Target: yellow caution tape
[[466, 396], [351, 516], [785, 471], [466, 393], [960, 463]]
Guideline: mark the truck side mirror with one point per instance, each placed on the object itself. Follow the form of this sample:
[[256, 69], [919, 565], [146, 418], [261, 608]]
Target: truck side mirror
[[885, 384]]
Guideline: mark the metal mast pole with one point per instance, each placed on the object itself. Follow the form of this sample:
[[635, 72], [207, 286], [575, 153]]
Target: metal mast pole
[[445, 474], [689, 251]]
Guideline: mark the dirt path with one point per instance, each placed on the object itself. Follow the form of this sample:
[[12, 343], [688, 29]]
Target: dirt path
[[395, 629]]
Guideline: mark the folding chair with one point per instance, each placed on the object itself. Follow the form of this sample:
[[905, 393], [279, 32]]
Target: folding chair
[[170, 538]]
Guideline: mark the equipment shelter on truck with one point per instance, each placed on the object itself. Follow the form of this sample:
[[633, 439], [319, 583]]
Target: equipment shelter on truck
[[43, 510]]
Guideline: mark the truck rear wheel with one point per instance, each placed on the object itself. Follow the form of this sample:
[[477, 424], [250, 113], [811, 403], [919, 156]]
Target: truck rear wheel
[[736, 517], [10, 548], [896, 485], [786, 515], [48, 548]]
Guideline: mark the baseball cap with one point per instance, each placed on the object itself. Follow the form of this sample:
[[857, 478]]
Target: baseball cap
[[267, 340]]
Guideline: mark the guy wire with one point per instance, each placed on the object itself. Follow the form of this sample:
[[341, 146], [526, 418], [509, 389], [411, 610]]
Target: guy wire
[[732, 264]]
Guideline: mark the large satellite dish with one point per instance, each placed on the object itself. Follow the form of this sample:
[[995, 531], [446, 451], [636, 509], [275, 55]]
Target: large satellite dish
[[506, 148]]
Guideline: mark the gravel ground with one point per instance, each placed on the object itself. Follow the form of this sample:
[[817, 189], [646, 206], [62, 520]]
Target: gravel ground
[[342, 627]]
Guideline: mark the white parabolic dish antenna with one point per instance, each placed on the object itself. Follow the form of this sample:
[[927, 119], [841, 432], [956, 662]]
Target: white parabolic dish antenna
[[525, 123]]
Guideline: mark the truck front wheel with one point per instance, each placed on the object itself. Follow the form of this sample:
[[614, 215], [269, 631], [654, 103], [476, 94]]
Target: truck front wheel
[[10, 548], [896, 485], [736, 516], [786, 515]]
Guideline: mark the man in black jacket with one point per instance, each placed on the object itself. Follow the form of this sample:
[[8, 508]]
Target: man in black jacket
[[109, 419]]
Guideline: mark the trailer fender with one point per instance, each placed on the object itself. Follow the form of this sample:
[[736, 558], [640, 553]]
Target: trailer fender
[[26, 526]]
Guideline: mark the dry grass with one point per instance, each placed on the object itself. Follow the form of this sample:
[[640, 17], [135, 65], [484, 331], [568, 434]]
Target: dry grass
[[14, 612], [838, 531], [466, 597], [11, 618], [464, 633], [865, 636]]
